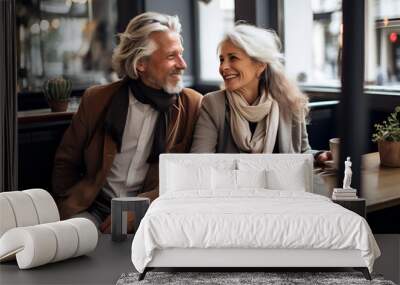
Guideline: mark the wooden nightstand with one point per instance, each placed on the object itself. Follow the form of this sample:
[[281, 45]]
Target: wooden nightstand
[[357, 206]]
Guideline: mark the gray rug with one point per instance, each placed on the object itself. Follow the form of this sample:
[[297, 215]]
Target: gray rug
[[230, 278]]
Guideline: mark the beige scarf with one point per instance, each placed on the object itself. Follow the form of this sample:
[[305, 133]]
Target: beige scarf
[[264, 111]]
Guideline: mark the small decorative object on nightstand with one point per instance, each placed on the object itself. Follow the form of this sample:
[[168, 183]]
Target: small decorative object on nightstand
[[345, 193], [119, 208], [347, 196]]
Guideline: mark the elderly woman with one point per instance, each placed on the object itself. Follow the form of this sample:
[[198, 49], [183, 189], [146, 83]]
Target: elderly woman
[[260, 110]]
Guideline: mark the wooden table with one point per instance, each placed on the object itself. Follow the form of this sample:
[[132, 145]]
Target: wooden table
[[381, 185], [45, 115]]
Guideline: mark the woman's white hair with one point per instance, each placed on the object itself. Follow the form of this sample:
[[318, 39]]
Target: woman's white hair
[[135, 43], [264, 46]]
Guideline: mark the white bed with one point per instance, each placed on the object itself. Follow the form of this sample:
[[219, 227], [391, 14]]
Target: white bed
[[247, 210]]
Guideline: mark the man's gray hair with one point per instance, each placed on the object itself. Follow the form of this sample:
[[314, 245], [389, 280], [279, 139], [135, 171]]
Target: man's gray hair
[[135, 43]]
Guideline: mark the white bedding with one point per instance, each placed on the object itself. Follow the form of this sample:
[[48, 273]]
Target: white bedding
[[251, 218]]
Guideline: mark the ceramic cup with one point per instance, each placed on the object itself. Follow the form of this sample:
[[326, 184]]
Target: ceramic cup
[[334, 148]]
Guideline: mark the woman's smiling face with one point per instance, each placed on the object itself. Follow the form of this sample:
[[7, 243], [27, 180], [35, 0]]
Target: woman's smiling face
[[239, 71]]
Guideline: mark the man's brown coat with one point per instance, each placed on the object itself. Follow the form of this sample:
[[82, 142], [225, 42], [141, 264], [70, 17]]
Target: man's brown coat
[[86, 152]]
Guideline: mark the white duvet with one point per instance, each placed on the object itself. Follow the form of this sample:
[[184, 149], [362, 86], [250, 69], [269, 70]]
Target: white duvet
[[252, 218]]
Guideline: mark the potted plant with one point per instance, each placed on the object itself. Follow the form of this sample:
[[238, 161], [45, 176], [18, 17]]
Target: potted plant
[[387, 135], [57, 92]]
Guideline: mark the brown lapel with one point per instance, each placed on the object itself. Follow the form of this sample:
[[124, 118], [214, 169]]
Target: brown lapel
[[109, 152], [174, 127]]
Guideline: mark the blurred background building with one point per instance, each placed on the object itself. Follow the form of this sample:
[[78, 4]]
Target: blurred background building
[[75, 39]]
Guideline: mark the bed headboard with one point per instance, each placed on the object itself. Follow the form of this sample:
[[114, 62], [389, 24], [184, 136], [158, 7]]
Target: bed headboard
[[283, 166]]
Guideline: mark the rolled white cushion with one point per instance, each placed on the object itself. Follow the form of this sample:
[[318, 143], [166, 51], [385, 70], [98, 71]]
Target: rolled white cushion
[[26, 208], [41, 244], [66, 238], [7, 218], [23, 208], [33, 246], [46, 208], [87, 235]]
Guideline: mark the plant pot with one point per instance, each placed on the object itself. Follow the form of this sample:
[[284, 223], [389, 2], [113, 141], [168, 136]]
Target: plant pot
[[58, 106], [389, 153]]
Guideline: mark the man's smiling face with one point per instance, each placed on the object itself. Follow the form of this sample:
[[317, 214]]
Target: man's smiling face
[[163, 69]]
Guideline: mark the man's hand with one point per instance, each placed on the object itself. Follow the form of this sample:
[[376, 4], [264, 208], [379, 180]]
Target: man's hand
[[105, 227]]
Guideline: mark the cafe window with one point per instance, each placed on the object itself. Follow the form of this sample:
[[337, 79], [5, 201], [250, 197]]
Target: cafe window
[[215, 18], [385, 18], [312, 42], [69, 38]]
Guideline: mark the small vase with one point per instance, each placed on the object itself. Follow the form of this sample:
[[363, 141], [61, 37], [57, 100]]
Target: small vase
[[58, 106], [389, 153]]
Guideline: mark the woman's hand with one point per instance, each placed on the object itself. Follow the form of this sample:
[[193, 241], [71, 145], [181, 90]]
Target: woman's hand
[[323, 157]]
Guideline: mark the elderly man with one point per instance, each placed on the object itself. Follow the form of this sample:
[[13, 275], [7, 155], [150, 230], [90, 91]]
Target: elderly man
[[112, 146]]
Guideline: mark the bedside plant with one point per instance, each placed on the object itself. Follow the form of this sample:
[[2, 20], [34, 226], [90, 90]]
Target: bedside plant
[[57, 92], [387, 135]]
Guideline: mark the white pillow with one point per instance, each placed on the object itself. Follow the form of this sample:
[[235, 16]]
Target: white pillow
[[251, 178], [281, 174], [292, 179], [228, 179], [183, 177], [224, 179]]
